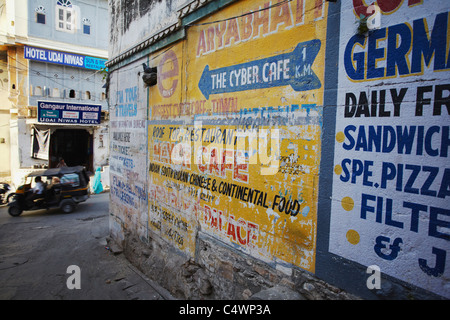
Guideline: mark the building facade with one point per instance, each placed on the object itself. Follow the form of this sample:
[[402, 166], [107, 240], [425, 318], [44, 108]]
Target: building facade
[[54, 100], [297, 143]]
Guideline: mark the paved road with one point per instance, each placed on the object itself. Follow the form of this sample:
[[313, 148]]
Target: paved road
[[37, 247]]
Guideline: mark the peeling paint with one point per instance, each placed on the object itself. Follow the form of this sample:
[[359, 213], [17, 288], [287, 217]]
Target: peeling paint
[[276, 196]]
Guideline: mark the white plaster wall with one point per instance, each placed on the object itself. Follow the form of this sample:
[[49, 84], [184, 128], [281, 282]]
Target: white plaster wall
[[128, 151], [161, 15]]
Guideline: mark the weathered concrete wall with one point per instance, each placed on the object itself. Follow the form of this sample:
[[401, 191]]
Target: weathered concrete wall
[[288, 146], [128, 152], [223, 185], [5, 116], [131, 21]]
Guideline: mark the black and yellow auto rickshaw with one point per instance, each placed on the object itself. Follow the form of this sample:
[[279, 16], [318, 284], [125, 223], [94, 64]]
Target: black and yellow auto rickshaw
[[64, 187]]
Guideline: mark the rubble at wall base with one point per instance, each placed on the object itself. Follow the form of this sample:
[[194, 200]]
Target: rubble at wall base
[[219, 272]]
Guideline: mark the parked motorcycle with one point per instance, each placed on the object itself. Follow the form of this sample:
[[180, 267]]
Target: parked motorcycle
[[6, 193]]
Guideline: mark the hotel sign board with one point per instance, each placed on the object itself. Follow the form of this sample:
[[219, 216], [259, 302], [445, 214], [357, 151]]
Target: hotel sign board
[[63, 58], [68, 113]]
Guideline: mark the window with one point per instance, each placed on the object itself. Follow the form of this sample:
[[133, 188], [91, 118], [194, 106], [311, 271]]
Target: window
[[65, 20], [55, 93], [64, 3], [40, 18], [71, 179], [38, 91], [86, 26], [65, 16], [72, 93], [40, 14], [87, 95], [86, 29]]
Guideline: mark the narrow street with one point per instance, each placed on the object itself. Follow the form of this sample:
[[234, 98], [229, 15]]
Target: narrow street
[[37, 248]]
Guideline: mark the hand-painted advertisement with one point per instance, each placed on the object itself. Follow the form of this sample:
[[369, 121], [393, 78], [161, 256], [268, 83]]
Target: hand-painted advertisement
[[391, 184], [235, 129], [128, 152]]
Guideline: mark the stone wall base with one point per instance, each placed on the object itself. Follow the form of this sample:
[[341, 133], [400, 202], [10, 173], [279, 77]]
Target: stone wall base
[[220, 272]]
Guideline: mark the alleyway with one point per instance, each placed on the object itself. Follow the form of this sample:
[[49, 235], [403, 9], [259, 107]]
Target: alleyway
[[37, 248]]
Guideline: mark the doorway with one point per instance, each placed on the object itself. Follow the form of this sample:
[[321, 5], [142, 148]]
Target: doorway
[[74, 146]]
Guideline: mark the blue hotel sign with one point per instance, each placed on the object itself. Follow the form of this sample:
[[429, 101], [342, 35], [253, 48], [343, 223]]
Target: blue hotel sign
[[68, 113], [63, 58]]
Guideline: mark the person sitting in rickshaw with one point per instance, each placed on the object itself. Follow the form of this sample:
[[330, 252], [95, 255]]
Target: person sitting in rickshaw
[[54, 183], [35, 192]]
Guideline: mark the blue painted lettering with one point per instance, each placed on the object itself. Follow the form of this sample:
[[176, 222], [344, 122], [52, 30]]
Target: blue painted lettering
[[362, 55], [434, 140]]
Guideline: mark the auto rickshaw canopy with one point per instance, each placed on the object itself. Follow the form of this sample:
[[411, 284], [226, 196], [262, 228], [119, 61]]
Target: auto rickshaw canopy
[[56, 171]]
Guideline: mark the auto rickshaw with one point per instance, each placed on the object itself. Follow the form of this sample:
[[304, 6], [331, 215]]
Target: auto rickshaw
[[64, 187]]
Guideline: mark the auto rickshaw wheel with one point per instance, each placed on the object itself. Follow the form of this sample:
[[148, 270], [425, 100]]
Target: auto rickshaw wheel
[[68, 206], [15, 211]]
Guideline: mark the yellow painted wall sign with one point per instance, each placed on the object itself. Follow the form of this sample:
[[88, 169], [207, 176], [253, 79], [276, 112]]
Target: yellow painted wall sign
[[235, 125]]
